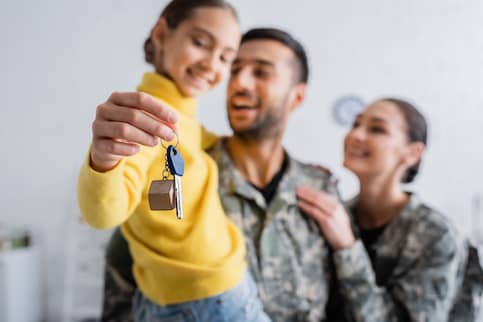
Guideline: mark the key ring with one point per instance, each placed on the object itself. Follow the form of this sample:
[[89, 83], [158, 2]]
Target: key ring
[[176, 145]]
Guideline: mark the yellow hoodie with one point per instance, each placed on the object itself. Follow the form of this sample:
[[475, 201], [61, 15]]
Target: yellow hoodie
[[174, 260]]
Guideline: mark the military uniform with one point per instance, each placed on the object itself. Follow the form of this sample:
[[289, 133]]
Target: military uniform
[[415, 272], [119, 283], [287, 255], [469, 302]]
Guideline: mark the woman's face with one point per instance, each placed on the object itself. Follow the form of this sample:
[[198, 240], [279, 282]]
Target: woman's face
[[197, 54], [377, 145]]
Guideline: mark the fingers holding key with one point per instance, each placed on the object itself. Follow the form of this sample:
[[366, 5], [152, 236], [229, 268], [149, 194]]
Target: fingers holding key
[[126, 121], [147, 103], [142, 111]]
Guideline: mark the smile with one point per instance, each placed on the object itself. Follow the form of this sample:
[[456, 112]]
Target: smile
[[199, 81], [356, 152]]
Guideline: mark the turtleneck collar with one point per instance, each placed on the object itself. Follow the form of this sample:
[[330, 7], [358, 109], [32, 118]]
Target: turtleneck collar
[[166, 90]]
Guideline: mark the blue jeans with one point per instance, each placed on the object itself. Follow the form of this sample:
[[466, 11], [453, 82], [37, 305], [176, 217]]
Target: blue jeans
[[240, 304]]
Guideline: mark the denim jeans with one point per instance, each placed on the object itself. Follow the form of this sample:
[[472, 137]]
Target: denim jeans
[[240, 304]]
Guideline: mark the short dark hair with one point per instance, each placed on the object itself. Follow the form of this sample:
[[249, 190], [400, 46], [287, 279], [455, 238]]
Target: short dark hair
[[178, 11], [417, 130], [286, 39]]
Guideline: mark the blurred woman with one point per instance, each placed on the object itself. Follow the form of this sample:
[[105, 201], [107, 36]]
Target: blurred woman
[[395, 258]]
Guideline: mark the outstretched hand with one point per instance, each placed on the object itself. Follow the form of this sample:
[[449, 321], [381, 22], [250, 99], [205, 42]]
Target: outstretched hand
[[126, 121], [329, 213]]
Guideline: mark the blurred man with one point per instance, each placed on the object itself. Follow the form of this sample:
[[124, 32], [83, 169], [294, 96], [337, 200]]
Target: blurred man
[[257, 178]]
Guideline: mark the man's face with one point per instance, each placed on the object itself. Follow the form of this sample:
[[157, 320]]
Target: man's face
[[260, 91]]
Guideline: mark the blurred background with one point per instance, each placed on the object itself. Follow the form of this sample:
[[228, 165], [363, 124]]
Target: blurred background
[[60, 59]]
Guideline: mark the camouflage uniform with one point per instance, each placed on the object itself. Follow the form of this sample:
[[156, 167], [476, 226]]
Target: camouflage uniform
[[119, 284], [415, 274], [287, 256], [469, 302]]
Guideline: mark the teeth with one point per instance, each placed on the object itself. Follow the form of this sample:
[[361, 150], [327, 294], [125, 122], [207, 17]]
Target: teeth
[[243, 107], [357, 152], [200, 78], [240, 102]]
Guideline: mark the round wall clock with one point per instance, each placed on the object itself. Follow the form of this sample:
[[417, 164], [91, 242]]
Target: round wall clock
[[346, 108]]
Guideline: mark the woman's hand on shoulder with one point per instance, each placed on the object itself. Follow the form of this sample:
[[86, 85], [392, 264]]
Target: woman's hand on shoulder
[[126, 121], [329, 213]]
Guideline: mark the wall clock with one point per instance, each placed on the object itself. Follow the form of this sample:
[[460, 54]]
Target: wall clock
[[346, 108]]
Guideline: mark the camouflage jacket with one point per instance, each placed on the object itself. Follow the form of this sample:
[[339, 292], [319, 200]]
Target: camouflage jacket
[[287, 255], [469, 301], [415, 274]]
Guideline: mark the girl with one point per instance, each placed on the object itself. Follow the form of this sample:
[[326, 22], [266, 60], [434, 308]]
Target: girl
[[402, 261], [192, 269]]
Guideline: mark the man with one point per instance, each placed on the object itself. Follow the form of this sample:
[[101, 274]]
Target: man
[[286, 253]]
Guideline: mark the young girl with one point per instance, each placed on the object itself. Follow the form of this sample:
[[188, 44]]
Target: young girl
[[193, 269], [403, 260]]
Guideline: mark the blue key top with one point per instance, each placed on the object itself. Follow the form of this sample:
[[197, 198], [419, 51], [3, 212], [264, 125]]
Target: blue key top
[[176, 167], [175, 161]]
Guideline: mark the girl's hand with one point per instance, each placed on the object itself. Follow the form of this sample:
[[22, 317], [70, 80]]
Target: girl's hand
[[126, 121], [329, 214]]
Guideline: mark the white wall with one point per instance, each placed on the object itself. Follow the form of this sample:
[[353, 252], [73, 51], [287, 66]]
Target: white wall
[[59, 59]]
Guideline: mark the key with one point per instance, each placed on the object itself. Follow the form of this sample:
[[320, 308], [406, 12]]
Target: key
[[176, 167], [179, 197]]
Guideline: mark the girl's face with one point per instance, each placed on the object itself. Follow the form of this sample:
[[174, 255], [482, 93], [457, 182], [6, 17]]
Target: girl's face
[[377, 145], [197, 54]]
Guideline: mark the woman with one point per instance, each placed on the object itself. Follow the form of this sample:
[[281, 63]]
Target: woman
[[192, 269], [402, 260]]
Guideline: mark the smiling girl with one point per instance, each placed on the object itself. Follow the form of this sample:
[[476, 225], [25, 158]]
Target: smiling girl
[[192, 269]]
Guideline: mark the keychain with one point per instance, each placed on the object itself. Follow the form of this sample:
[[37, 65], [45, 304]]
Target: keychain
[[166, 194]]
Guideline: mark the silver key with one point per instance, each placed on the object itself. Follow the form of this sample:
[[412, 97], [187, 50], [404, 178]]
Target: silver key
[[179, 197], [176, 167]]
